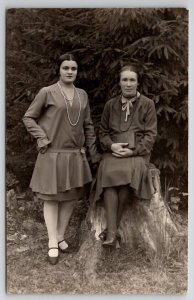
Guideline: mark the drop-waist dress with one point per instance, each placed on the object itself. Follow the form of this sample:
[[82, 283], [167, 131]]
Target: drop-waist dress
[[63, 170], [139, 131]]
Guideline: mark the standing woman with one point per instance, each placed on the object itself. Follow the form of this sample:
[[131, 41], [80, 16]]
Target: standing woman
[[59, 118], [127, 133]]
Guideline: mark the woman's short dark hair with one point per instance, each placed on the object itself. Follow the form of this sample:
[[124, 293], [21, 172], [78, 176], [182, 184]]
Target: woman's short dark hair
[[131, 67], [66, 56]]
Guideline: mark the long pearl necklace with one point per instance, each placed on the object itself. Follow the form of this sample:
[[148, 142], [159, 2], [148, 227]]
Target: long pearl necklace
[[65, 98]]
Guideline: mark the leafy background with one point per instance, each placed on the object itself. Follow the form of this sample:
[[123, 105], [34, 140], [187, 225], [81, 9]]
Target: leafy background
[[102, 40]]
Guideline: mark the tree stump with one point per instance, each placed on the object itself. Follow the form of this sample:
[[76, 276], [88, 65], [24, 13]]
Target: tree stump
[[145, 223]]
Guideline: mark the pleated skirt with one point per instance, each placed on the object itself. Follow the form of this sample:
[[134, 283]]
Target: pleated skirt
[[60, 175], [132, 171]]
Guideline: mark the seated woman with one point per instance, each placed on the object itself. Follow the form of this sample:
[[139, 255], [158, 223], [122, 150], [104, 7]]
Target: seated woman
[[127, 133]]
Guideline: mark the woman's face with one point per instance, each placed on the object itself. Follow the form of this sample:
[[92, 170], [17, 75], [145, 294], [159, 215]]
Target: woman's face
[[68, 71], [128, 83]]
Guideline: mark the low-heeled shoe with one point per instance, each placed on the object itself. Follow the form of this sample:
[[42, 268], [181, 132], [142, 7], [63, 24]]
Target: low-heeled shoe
[[66, 250], [53, 260]]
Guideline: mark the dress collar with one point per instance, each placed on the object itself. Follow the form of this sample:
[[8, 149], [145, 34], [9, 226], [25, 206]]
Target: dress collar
[[127, 104], [133, 99]]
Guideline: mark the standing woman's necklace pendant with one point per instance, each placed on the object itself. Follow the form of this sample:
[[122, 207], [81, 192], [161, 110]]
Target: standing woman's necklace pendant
[[62, 93]]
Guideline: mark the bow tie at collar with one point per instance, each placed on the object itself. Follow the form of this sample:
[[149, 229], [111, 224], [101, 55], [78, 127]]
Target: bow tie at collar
[[127, 104]]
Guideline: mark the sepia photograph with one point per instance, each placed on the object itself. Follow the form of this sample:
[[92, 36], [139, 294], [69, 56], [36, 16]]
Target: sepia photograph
[[96, 151]]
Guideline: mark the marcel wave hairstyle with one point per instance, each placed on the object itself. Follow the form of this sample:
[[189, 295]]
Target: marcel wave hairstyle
[[65, 56]]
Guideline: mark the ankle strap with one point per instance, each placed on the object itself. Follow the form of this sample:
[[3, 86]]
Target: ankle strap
[[61, 241], [53, 248]]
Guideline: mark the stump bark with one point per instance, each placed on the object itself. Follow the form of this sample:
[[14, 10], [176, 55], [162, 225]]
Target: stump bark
[[144, 223]]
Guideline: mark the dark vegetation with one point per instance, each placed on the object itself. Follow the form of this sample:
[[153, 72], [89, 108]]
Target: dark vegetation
[[102, 40]]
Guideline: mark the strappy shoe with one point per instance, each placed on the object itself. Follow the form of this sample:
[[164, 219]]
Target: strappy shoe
[[66, 250], [102, 235], [111, 239], [53, 260]]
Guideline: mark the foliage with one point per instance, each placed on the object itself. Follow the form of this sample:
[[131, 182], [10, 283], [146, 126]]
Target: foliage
[[103, 39], [177, 200]]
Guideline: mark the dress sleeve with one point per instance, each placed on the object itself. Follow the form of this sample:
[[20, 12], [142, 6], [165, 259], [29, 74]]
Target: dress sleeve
[[31, 116], [90, 136], [104, 133], [145, 145]]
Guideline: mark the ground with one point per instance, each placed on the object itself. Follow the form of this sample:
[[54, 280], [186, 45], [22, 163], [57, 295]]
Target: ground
[[118, 272]]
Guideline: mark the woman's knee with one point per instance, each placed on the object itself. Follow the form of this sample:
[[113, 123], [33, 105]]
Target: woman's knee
[[124, 192], [68, 204], [50, 203], [109, 191]]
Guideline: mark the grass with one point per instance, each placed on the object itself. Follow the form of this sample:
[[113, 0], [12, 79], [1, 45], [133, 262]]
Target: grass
[[119, 272]]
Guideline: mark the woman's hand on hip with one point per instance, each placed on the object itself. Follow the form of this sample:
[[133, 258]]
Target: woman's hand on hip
[[43, 149]]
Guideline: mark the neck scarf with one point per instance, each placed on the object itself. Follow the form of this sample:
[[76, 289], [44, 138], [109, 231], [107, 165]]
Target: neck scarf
[[127, 104]]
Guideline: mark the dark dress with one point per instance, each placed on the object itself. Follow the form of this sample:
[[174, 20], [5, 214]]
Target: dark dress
[[61, 172], [139, 131]]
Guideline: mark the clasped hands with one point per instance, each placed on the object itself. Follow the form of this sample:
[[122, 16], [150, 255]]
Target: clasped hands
[[120, 150]]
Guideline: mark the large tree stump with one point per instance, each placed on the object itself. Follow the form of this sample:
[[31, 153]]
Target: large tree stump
[[145, 223]]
